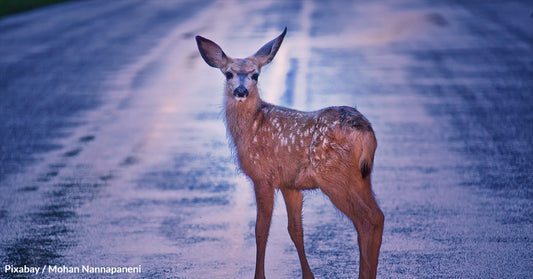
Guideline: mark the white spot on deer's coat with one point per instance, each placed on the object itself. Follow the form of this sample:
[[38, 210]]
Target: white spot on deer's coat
[[324, 143]]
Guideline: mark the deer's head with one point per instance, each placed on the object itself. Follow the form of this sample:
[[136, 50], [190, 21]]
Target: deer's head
[[241, 74]]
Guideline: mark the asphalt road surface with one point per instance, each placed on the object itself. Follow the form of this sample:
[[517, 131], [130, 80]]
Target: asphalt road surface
[[114, 151]]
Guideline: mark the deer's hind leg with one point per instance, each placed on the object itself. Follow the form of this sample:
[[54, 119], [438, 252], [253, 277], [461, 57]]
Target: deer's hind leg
[[357, 201]]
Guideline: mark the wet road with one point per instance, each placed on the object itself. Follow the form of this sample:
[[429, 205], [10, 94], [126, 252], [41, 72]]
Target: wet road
[[114, 151]]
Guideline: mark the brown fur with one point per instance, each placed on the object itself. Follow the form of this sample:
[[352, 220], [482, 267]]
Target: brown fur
[[331, 149]]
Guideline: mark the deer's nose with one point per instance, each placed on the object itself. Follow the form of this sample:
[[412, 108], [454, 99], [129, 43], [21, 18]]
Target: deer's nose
[[240, 92]]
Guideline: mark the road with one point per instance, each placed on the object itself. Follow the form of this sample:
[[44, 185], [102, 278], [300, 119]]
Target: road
[[114, 151]]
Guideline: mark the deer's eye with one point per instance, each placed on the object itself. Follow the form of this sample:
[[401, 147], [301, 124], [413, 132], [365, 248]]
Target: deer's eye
[[255, 76], [229, 75]]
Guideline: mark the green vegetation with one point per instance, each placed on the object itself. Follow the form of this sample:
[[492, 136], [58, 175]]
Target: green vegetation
[[8, 7]]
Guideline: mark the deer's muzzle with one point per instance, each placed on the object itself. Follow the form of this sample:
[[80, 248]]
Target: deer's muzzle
[[240, 92]]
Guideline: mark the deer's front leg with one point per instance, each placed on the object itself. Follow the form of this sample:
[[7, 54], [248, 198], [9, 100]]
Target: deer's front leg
[[264, 196], [294, 200]]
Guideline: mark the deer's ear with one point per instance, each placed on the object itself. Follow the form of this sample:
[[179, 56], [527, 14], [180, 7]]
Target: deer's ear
[[211, 53], [265, 54]]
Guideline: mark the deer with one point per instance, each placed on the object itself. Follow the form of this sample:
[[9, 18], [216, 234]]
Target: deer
[[284, 149]]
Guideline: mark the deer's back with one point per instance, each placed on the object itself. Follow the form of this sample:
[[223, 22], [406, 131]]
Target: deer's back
[[290, 147]]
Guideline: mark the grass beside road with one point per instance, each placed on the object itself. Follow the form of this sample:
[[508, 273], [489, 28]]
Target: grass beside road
[[9, 7]]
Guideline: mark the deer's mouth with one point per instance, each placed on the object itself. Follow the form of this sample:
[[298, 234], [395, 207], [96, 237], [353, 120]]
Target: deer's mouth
[[240, 93]]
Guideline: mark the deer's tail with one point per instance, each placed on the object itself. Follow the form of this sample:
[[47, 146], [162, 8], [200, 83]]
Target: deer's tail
[[366, 160]]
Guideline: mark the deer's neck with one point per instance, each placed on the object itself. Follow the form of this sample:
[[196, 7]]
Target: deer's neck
[[240, 117]]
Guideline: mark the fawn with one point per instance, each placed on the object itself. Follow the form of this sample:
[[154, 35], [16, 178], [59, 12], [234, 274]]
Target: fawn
[[280, 148]]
